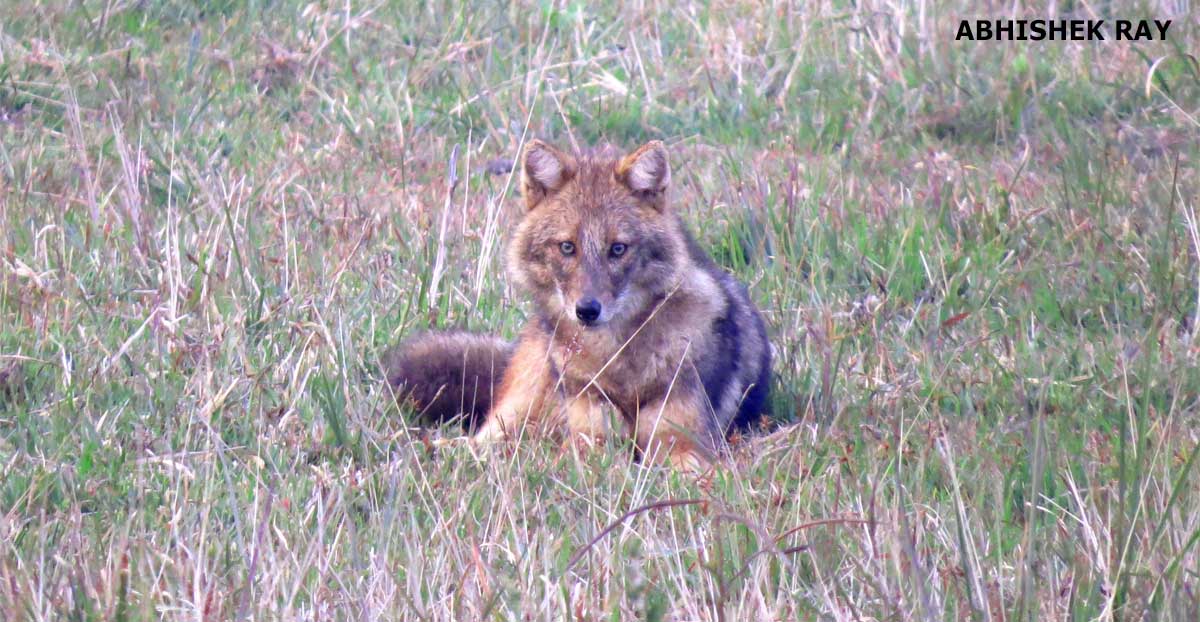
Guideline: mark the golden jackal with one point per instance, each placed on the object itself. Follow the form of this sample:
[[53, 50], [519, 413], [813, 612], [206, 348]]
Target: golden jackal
[[635, 331]]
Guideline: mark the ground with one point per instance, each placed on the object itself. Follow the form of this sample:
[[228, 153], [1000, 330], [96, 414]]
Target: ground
[[977, 260]]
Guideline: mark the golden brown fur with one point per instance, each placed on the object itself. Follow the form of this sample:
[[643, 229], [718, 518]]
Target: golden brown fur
[[636, 332]]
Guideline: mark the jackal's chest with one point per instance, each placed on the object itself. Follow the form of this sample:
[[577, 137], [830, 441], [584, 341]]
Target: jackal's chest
[[628, 372]]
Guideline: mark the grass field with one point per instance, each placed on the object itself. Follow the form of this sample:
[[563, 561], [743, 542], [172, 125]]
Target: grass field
[[978, 262]]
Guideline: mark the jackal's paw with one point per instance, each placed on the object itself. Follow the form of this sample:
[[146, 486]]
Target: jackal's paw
[[582, 443], [488, 434], [690, 462], [472, 444], [456, 441]]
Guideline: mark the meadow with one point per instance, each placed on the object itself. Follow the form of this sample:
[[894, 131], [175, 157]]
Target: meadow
[[979, 263]]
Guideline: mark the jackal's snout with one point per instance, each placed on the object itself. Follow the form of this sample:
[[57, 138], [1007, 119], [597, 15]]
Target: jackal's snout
[[588, 310]]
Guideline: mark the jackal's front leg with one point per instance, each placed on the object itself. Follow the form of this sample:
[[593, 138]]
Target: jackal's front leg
[[678, 429], [590, 420], [521, 399]]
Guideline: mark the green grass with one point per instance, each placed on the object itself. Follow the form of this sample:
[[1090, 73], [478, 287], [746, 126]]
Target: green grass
[[978, 262]]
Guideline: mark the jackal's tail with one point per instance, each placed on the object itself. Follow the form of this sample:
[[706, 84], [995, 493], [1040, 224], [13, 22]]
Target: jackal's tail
[[448, 375]]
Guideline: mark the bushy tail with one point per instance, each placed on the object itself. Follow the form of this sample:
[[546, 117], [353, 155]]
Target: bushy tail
[[448, 375]]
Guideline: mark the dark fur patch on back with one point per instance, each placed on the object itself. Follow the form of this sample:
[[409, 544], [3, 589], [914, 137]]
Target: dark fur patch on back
[[723, 369], [755, 404]]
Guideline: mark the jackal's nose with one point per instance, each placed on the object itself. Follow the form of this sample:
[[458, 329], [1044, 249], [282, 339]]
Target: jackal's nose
[[588, 310]]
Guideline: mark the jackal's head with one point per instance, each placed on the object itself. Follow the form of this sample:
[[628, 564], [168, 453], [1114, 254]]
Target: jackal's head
[[598, 243]]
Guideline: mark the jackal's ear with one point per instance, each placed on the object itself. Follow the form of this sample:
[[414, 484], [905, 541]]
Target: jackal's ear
[[646, 171], [544, 169]]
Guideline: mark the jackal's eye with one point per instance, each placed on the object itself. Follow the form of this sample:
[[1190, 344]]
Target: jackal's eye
[[618, 249], [567, 248]]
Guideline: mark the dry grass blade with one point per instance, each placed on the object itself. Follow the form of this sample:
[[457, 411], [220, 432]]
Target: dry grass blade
[[658, 505]]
